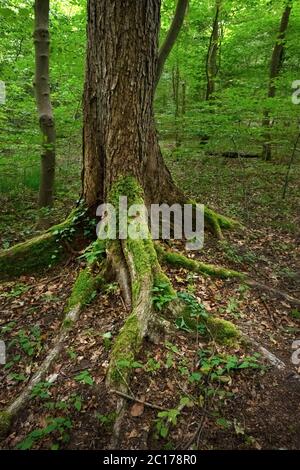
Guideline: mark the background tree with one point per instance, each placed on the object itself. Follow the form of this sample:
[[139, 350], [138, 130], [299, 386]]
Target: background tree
[[44, 107], [212, 54], [275, 68], [172, 36]]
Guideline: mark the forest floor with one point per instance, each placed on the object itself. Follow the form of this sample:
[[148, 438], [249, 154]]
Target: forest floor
[[200, 394]]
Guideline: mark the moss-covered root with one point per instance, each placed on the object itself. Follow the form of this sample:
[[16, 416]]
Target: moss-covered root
[[82, 293], [5, 423], [216, 222], [140, 258], [222, 331], [178, 260], [39, 252]]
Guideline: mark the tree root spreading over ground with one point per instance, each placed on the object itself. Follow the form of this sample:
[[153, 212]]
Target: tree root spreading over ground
[[137, 267]]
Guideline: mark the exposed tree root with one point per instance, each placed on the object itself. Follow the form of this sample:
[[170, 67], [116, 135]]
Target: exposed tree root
[[217, 222], [39, 252], [85, 285], [180, 261], [272, 291], [140, 275], [272, 359], [136, 265]]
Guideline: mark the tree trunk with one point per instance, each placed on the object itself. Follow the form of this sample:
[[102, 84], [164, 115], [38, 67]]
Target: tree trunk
[[171, 36], [44, 108], [275, 69], [119, 132], [212, 54], [176, 97]]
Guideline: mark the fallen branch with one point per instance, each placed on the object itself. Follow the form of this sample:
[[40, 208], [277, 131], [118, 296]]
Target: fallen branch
[[137, 400]]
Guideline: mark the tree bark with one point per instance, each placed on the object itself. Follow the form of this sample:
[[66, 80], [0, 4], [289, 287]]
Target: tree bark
[[119, 132], [275, 69], [44, 107], [172, 36], [212, 54]]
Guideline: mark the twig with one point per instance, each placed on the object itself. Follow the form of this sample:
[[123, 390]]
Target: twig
[[268, 310], [196, 435], [142, 402]]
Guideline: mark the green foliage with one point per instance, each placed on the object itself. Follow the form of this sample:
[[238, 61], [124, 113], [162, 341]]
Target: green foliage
[[94, 252], [29, 342], [41, 390], [152, 365], [162, 295], [107, 420], [169, 418], [107, 337], [17, 290], [218, 367], [295, 314], [165, 418], [84, 377], [58, 428]]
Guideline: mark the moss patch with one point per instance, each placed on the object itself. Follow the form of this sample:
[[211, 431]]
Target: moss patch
[[180, 261], [5, 422], [223, 331], [39, 252], [124, 349], [84, 289]]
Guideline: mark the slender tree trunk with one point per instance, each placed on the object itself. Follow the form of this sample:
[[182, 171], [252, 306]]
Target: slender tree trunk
[[212, 54], [172, 36], [275, 69], [119, 132], [44, 108], [176, 98]]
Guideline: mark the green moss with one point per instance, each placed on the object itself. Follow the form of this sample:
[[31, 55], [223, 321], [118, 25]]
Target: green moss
[[29, 256], [126, 186], [211, 217], [140, 256], [190, 322], [5, 422], [141, 251], [84, 289], [37, 253], [180, 261], [161, 279], [217, 221], [223, 331], [124, 349], [67, 323]]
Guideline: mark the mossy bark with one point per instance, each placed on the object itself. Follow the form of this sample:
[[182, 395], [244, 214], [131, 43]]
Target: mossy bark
[[178, 260], [5, 422], [140, 264], [40, 252]]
